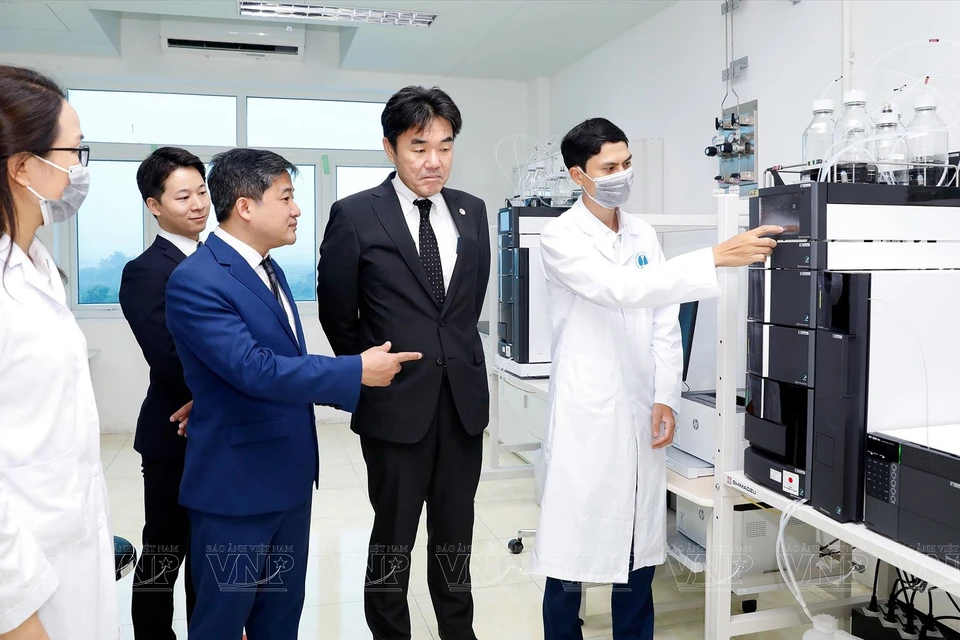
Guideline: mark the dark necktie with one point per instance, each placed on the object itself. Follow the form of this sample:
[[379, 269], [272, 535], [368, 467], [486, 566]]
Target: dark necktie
[[430, 251], [267, 265]]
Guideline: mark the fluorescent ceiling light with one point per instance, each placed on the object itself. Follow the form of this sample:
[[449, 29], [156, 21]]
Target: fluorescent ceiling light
[[329, 13]]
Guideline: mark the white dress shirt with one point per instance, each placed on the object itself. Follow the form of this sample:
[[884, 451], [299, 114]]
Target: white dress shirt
[[253, 258], [440, 219], [187, 246]]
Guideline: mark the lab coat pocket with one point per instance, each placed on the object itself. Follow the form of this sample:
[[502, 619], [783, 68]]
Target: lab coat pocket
[[259, 431], [49, 500], [591, 396]]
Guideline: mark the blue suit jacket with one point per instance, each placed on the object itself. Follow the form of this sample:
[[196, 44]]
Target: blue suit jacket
[[252, 446]]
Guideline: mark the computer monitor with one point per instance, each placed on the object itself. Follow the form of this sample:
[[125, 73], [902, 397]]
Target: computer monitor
[[688, 322]]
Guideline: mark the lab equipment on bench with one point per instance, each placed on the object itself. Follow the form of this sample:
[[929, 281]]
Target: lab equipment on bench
[[851, 139], [818, 138], [735, 146], [913, 489], [523, 329], [755, 531], [928, 140], [883, 152], [891, 145], [851, 328]]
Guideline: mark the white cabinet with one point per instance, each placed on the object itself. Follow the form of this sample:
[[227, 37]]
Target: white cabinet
[[522, 408]]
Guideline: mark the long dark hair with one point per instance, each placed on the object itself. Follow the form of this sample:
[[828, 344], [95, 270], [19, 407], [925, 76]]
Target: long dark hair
[[30, 105]]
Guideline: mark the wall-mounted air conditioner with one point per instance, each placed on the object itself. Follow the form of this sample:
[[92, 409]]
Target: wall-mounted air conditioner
[[251, 40]]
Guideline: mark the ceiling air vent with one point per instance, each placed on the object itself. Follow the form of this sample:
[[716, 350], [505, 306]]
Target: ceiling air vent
[[230, 39], [240, 47]]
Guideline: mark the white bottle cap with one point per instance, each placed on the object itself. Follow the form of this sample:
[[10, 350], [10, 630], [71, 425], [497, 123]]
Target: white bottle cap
[[925, 102], [854, 95], [824, 622], [888, 118], [823, 105]]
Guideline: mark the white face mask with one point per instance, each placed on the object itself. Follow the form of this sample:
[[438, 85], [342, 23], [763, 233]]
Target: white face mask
[[612, 191], [66, 207]]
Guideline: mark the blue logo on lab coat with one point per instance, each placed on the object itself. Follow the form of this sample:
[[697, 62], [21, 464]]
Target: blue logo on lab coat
[[642, 260]]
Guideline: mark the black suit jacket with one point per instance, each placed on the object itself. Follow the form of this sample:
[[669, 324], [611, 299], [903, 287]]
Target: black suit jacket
[[143, 290], [372, 288]]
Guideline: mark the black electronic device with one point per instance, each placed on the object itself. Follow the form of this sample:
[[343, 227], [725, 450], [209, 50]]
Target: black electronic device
[[523, 333], [802, 209], [912, 481], [688, 323], [806, 387], [872, 628], [808, 337]]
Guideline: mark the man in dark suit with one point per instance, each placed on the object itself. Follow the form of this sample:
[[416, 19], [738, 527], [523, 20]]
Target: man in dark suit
[[173, 185], [253, 454], [410, 259]]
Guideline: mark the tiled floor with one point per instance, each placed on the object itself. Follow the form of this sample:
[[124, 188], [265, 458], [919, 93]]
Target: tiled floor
[[507, 596]]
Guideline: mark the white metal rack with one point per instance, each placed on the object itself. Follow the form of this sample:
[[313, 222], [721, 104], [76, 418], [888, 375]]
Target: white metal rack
[[536, 387], [731, 486]]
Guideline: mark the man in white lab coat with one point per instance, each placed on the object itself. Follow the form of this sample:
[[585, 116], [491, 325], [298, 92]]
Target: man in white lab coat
[[615, 383]]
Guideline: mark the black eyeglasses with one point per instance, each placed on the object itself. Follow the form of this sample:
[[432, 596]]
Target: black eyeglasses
[[83, 152]]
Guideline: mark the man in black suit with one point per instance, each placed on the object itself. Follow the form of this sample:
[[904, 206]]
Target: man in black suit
[[410, 259], [173, 185]]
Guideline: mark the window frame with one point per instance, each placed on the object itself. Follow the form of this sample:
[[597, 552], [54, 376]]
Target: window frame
[[326, 161]]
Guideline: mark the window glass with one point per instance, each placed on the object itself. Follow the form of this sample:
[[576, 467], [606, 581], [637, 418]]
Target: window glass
[[157, 118], [314, 124], [299, 260], [109, 230], [351, 180]]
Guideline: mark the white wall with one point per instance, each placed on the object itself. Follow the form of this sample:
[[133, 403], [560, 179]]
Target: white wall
[[662, 79], [491, 109], [890, 43]]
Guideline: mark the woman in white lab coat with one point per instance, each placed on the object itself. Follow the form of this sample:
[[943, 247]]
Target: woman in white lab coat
[[614, 384], [56, 552]]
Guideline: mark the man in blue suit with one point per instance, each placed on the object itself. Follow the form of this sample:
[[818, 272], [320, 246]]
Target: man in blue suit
[[252, 453]]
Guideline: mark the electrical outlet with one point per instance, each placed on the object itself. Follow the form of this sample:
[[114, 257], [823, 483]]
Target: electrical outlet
[[871, 628], [890, 625]]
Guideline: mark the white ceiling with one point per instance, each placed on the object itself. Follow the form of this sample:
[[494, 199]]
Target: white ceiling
[[506, 39]]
